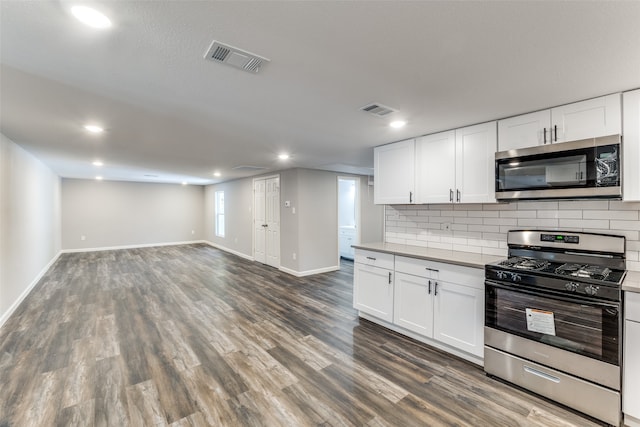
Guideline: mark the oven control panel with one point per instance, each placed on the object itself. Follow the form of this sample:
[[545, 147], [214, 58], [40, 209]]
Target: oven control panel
[[560, 238]]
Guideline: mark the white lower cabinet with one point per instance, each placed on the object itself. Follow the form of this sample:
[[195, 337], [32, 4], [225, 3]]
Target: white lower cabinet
[[631, 361], [443, 303], [413, 303], [373, 284], [459, 317]]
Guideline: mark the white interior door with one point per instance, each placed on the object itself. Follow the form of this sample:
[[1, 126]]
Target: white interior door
[[259, 220], [272, 219], [266, 221]]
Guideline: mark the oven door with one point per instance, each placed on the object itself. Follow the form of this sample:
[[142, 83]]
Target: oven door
[[576, 324]]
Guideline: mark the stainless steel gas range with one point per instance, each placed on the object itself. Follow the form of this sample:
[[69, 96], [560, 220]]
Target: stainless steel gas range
[[553, 318]]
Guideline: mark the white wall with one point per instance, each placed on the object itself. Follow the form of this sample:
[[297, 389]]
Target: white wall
[[483, 228], [114, 213], [29, 223], [238, 200]]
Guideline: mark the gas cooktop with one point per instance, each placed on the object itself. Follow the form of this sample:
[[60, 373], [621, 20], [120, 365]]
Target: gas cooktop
[[575, 271]]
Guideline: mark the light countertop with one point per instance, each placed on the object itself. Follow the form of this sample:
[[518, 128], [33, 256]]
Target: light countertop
[[631, 282], [467, 259]]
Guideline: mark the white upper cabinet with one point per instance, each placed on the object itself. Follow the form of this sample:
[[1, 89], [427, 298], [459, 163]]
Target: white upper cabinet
[[475, 163], [527, 130], [581, 120], [587, 119], [436, 167], [631, 146], [457, 166], [394, 173]]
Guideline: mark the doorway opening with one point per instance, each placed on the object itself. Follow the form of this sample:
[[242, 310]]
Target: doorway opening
[[348, 216]]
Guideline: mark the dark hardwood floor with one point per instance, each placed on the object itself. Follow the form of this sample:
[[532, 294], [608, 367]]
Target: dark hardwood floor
[[192, 336]]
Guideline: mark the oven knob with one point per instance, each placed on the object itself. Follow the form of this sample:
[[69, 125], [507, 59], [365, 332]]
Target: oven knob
[[591, 290], [515, 277], [501, 275], [571, 286]]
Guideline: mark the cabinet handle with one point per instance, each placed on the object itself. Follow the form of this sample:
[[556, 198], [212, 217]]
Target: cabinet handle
[[450, 195], [371, 258], [435, 291], [429, 290], [410, 197], [457, 195], [581, 175], [431, 269], [555, 132], [389, 277], [544, 135]]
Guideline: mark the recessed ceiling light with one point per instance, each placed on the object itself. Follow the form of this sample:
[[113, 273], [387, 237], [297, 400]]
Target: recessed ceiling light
[[217, 174], [283, 156], [90, 17], [97, 163], [184, 182], [397, 124], [93, 128], [99, 178]]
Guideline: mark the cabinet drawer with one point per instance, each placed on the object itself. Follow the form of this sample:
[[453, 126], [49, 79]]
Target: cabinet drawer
[[376, 259], [417, 267], [632, 309], [467, 276]]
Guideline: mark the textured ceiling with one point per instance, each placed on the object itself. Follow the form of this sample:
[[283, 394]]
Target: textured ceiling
[[168, 112]]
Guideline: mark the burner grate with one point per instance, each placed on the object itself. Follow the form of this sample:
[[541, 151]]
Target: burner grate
[[522, 263], [584, 271]]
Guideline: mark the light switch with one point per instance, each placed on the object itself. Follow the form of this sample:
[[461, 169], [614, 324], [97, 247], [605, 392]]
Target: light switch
[[293, 211]]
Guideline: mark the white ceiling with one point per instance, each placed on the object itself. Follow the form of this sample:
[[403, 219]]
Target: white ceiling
[[168, 112]]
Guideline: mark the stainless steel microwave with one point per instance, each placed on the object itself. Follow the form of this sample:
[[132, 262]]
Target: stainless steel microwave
[[588, 168]]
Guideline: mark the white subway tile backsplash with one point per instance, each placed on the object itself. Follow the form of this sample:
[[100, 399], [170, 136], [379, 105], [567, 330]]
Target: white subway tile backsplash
[[584, 223], [584, 204], [518, 214], [538, 223], [537, 205], [611, 214], [483, 228], [625, 225]]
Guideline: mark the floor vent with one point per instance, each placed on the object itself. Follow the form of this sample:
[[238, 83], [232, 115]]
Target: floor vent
[[378, 110], [238, 58]]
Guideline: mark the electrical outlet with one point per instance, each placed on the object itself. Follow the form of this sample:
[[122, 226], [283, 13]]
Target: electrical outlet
[[83, 237], [293, 211], [294, 256], [193, 231]]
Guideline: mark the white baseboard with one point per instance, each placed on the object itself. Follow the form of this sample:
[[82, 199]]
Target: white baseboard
[[309, 272], [145, 245], [27, 291], [231, 251]]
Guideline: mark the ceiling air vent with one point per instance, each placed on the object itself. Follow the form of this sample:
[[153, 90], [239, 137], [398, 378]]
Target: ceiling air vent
[[378, 110], [238, 58], [248, 168]]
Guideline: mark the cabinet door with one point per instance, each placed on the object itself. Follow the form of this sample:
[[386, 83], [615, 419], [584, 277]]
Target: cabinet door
[[587, 119], [475, 163], [413, 303], [631, 157], [436, 168], [373, 291], [394, 173], [631, 383], [459, 317], [527, 130]]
